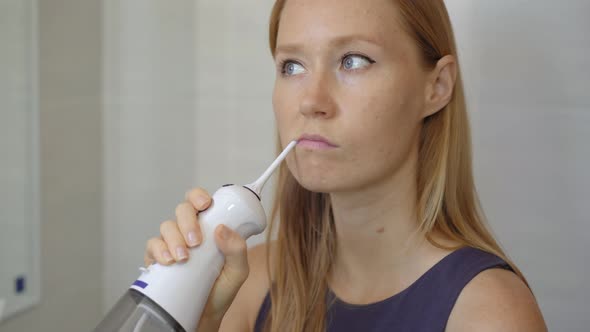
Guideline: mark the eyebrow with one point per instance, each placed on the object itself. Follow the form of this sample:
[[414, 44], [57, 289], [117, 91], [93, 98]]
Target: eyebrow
[[335, 42]]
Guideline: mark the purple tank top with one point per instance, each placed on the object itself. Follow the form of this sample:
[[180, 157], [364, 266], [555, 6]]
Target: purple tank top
[[423, 306]]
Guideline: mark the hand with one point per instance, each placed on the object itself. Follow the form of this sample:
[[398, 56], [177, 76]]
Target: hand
[[177, 236]]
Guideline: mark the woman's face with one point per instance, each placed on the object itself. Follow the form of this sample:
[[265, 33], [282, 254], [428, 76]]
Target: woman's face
[[347, 71]]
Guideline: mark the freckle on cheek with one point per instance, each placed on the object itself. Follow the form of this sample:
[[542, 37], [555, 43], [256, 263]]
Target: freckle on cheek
[[381, 230]]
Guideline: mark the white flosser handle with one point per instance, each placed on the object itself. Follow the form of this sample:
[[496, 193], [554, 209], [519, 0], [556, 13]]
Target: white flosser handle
[[182, 289]]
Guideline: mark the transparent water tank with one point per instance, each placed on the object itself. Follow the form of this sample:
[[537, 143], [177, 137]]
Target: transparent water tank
[[135, 312]]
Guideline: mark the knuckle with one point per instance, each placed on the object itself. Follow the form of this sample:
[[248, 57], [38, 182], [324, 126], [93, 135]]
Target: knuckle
[[151, 244], [242, 247], [187, 227], [182, 208], [166, 226], [239, 274], [246, 273], [198, 195], [200, 192]]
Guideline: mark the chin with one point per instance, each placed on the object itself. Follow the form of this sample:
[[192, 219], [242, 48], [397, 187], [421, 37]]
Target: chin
[[319, 178], [319, 184], [316, 188]]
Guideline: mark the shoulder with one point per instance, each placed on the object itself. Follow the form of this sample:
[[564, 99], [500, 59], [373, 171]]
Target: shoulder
[[496, 300]]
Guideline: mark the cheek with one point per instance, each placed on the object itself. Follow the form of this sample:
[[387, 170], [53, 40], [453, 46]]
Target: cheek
[[387, 127], [388, 112]]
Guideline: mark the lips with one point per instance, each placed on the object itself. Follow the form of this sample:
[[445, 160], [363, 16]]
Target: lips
[[315, 141]]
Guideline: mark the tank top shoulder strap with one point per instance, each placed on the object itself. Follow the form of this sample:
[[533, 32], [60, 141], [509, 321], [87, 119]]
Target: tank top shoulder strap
[[262, 313], [428, 304], [424, 306]]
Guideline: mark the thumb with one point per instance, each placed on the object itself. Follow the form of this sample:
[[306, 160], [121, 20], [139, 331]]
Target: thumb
[[234, 248]]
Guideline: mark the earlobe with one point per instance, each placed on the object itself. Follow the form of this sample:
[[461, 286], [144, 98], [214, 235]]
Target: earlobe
[[441, 85]]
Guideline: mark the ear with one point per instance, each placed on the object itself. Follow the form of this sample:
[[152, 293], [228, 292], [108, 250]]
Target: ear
[[440, 85]]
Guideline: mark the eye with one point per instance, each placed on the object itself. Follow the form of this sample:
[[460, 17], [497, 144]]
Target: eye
[[355, 61], [291, 68]]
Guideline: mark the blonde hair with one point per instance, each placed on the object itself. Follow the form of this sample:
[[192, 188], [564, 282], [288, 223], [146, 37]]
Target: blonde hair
[[447, 199]]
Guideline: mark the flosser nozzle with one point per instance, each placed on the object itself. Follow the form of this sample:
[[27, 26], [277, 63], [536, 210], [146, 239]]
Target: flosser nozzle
[[257, 185]]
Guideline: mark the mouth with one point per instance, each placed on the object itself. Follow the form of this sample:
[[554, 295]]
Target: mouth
[[315, 142]]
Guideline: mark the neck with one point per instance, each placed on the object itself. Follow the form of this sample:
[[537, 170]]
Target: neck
[[377, 229]]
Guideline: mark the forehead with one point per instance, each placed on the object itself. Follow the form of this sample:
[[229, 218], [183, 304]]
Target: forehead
[[309, 21]]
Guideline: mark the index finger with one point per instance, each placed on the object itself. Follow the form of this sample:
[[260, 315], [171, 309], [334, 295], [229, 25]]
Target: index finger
[[199, 198]]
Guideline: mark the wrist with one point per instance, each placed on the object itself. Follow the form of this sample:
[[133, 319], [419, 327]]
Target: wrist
[[210, 323]]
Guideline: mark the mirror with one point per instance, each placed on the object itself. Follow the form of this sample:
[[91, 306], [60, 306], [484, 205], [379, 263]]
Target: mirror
[[19, 158]]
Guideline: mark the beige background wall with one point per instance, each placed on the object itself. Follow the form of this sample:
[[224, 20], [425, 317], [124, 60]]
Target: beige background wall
[[142, 100], [71, 172], [527, 73], [187, 89]]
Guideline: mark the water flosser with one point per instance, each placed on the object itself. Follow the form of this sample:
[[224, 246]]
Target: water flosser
[[172, 298]]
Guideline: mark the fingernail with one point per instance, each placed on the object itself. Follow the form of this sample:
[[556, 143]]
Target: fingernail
[[167, 256], [224, 232], [181, 253], [192, 238], [201, 202]]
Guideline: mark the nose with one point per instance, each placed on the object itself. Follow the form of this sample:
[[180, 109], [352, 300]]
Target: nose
[[317, 100]]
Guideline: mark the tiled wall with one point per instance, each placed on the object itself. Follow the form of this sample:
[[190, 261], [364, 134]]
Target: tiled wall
[[180, 111], [235, 136], [187, 103], [149, 111], [70, 165], [527, 76]]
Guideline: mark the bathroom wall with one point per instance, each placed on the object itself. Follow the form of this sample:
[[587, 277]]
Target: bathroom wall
[[185, 86], [149, 133], [69, 33], [527, 74], [188, 91], [180, 111]]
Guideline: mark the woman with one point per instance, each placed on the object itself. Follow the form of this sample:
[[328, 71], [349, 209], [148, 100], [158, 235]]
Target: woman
[[380, 226]]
